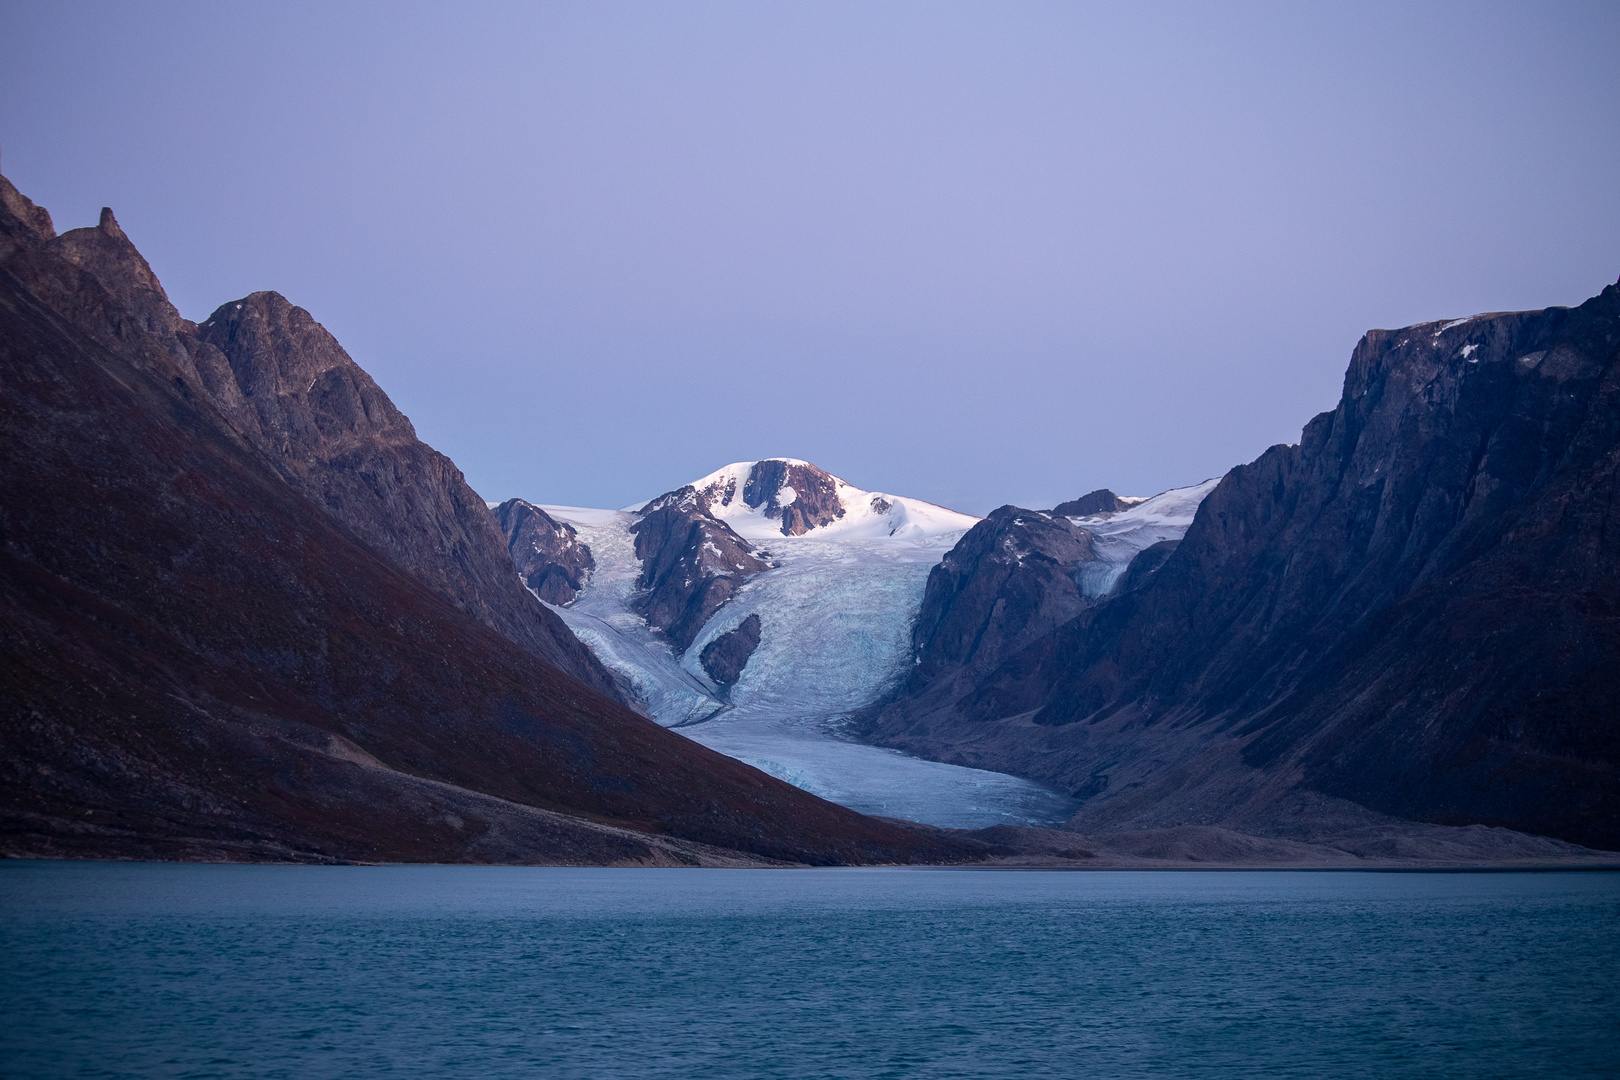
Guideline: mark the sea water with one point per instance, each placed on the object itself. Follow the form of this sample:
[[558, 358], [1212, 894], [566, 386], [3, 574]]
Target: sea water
[[112, 970]]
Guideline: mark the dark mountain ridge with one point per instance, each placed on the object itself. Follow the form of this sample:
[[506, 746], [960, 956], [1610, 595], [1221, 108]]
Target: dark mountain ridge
[[288, 388], [262, 622], [1414, 611]]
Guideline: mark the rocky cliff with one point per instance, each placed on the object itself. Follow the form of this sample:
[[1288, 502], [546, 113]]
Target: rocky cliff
[[548, 554], [210, 652], [1005, 584], [691, 564], [1413, 611]]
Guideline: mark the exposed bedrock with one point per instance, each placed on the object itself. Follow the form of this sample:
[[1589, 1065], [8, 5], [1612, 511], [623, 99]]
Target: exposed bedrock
[[333, 433], [549, 555], [289, 389], [1147, 562], [725, 657], [798, 493], [1008, 581], [1416, 609], [691, 564], [1101, 501], [803, 496]]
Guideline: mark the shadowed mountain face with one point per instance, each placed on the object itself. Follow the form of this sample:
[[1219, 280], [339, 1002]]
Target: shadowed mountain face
[[290, 390], [336, 437], [1009, 581], [215, 647], [1416, 609]]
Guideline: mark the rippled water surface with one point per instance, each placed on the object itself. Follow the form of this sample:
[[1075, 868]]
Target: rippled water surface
[[174, 970]]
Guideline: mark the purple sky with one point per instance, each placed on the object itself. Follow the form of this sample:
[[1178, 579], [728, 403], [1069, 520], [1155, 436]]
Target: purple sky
[[974, 253]]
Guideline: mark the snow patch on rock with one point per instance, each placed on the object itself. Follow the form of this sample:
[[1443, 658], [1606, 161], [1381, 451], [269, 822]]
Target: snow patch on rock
[[1117, 538]]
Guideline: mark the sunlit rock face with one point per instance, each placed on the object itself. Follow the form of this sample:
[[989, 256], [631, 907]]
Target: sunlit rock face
[[691, 565], [548, 554], [800, 494]]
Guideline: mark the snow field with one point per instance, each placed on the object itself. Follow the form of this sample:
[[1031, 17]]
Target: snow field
[[1117, 538]]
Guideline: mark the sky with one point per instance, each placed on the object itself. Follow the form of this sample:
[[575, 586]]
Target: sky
[[974, 253]]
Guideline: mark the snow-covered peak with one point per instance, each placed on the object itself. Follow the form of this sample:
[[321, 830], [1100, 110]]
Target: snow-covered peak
[[776, 497]]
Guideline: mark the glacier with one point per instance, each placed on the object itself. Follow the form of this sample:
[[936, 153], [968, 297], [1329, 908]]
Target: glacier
[[836, 611]]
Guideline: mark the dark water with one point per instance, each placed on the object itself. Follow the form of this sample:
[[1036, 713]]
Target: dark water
[[166, 970]]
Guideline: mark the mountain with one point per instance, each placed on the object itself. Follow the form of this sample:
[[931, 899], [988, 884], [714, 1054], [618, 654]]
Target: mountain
[[247, 615], [335, 436], [1412, 613], [758, 608], [291, 391], [686, 564]]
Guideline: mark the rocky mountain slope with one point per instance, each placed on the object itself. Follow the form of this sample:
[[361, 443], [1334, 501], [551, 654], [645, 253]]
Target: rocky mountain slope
[[548, 554], [691, 564], [292, 392], [1413, 612], [247, 615], [336, 437]]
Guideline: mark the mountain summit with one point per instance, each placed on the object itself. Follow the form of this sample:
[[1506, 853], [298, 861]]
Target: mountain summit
[[789, 497]]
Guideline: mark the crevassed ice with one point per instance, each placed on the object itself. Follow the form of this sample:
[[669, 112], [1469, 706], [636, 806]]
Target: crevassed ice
[[835, 634], [621, 639]]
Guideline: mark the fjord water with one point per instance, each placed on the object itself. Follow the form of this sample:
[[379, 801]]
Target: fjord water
[[110, 970]]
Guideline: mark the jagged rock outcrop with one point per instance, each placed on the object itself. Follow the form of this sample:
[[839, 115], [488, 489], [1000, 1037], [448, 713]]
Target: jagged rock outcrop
[[803, 496], [549, 555], [1101, 501], [795, 492], [289, 389], [725, 657], [1415, 610], [201, 658], [691, 564]]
